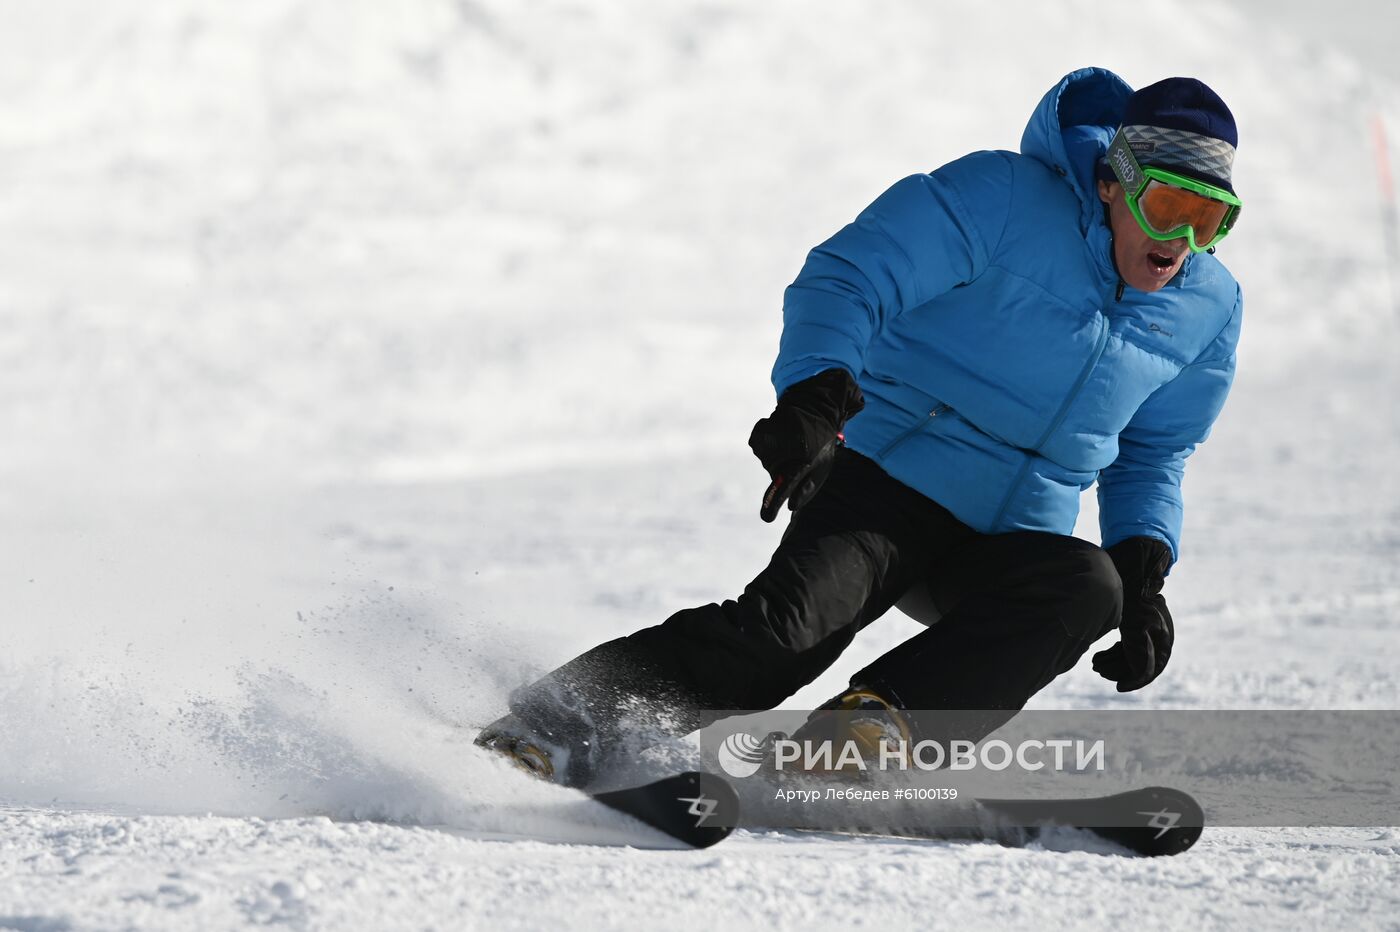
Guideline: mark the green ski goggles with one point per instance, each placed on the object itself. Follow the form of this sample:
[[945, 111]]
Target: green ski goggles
[[1168, 205]]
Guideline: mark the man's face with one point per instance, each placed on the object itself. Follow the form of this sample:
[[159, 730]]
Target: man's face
[[1145, 263]]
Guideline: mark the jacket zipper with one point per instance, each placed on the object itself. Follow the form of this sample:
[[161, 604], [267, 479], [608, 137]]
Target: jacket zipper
[[896, 442], [1059, 419]]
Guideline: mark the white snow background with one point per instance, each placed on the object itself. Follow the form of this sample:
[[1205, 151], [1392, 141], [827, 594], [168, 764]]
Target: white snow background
[[358, 360]]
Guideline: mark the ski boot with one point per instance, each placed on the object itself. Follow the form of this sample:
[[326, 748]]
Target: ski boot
[[860, 717], [542, 752], [508, 736]]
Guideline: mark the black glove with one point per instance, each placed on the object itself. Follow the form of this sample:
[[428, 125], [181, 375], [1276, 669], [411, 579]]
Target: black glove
[[1146, 633], [797, 442]]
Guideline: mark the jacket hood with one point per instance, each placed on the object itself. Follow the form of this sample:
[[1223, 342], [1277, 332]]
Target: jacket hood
[[1071, 128]]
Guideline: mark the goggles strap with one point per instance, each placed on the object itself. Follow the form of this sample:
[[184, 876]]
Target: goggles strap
[[1125, 165]]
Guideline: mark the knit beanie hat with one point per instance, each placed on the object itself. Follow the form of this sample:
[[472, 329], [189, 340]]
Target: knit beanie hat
[[1181, 125]]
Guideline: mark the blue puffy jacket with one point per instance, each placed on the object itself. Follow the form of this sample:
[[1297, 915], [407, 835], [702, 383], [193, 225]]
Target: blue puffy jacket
[[1005, 367]]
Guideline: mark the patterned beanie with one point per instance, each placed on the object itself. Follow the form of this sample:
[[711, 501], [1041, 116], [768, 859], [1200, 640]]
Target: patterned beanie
[[1182, 125]]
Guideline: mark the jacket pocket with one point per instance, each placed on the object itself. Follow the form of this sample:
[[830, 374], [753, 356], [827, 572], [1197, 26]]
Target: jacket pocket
[[926, 420]]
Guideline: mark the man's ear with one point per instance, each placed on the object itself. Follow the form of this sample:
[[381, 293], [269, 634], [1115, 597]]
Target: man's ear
[[1108, 190]]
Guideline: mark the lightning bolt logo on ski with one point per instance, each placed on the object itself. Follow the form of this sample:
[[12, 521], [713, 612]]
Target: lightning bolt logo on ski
[[701, 807], [1164, 821]]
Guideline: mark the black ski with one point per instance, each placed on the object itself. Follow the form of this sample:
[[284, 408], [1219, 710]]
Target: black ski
[[1153, 821], [698, 809]]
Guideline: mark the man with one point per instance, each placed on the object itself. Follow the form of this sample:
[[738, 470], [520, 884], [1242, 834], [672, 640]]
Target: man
[[993, 338]]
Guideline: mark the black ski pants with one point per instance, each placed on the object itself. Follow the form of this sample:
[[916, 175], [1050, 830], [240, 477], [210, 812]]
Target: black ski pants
[[1018, 609]]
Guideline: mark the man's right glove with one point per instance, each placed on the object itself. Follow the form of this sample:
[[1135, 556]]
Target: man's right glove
[[1146, 632], [797, 442]]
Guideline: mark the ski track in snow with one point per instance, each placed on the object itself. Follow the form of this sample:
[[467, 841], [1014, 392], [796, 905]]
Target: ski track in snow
[[359, 362]]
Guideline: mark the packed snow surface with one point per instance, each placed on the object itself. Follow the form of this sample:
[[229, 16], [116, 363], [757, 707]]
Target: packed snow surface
[[359, 361]]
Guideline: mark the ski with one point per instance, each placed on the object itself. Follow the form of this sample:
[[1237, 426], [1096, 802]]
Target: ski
[[1152, 821], [697, 809]]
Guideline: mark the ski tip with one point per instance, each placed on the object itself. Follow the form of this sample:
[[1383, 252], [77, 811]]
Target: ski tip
[[696, 808], [714, 805], [1155, 821], [1174, 821], [1152, 821]]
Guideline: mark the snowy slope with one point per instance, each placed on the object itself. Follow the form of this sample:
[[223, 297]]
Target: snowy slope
[[359, 359]]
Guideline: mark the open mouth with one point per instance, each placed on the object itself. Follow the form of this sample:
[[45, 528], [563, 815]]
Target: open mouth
[[1161, 261]]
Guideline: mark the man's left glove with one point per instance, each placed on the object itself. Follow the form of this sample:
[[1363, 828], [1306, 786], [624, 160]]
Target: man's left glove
[[1146, 632], [797, 442]]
